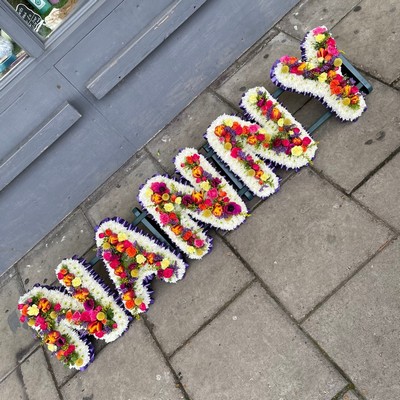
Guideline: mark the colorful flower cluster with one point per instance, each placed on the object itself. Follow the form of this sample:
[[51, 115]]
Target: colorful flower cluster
[[319, 73], [102, 316], [46, 310], [286, 143], [132, 260], [230, 136]]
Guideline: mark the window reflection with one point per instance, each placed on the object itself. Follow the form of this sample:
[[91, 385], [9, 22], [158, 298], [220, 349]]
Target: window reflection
[[44, 16], [10, 54]]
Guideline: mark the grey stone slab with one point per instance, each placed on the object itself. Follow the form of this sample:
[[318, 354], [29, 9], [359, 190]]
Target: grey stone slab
[[253, 351], [12, 387], [180, 309], [369, 34], [348, 152], [359, 327], [311, 13], [37, 378], [73, 236], [305, 240], [118, 196], [381, 193], [256, 73], [16, 338], [61, 372], [187, 129], [130, 368]]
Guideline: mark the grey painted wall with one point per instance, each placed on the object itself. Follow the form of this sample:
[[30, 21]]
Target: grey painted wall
[[111, 129]]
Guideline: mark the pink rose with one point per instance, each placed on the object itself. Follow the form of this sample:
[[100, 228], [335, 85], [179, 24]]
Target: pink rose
[[212, 193], [164, 218], [254, 128], [57, 307], [306, 141], [318, 30], [107, 256], [168, 272], [198, 243], [285, 142], [354, 90], [143, 307]]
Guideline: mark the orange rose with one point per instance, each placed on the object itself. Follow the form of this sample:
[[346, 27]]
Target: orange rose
[[346, 90], [108, 232], [156, 198], [219, 130], [331, 74], [222, 193], [177, 229], [302, 66], [128, 295], [131, 251], [130, 304], [336, 90], [275, 114], [60, 354], [354, 100], [68, 315], [114, 239], [297, 141], [95, 326], [187, 236], [197, 172], [44, 305], [197, 197], [120, 247], [68, 279], [81, 294], [217, 211], [252, 140], [119, 270], [150, 258], [52, 337]]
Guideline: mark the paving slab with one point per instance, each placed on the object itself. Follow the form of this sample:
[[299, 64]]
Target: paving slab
[[12, 387], [349, 396], [73, 236], [118, 197], [369, 35], [180, 309], [305, 240], [349, 151], [311, 13], [37, 378], [187, 129], [381, 193], [16, 339], [253, 351], [255, 72], [130, 368], [359, 327]]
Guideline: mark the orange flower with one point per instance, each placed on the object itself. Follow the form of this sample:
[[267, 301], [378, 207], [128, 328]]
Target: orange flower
[[119, 270], [259, 174], [302, 66], [304, 147], [297, 141], [328, 57], [354, 100], [63, 271], [177, 229], [334, 83], [197, 172], [217, 211], [68, 279], [114, 239], [197, 197], [108, 232], [94, 327], [130, 304], [336, 90], [346, 90], [52, 337], [120, 247], [150, 258], [252, 139], [68, 315], [131, 251], [128, 295], [222, 193], [219, 130], [187, 236], [24, 310], [156, 198], [275, 114], [44, 304], [331, 74], [81, 294], [60, 354]]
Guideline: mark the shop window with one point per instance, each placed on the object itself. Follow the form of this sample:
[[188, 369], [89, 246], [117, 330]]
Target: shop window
[[11, 54], [45, 16]]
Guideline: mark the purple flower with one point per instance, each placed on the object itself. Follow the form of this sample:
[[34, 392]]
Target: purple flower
[[60, 341], [88, 304], [187, 200], [159, 188], [232, 209]]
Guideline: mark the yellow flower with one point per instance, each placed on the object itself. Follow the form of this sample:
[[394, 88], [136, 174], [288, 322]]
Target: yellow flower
[[338, 62], [31, 322], [165, 263], [228, 146], [178, 200], [138, 301], [207, 213], [165, 196], [122, 236], [320, 59], [100, 316], [285, 69], [191, 249], [267, 137], [168, 207], [148, 192], [287, 121], [33, 310], [228, 122], [205, 185], [140, 259], [281, 121], [346, 101], [320, 38], [264, 177], [323, 77], [251, 172], [51, 347], [263, 131], [253, 98], [79, 362], [297, 151], [106, 246], [135, 273], [53, 315], [76, 282]]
